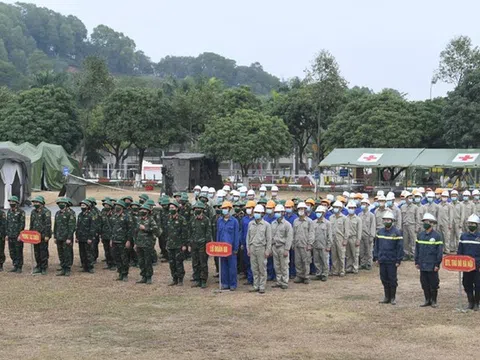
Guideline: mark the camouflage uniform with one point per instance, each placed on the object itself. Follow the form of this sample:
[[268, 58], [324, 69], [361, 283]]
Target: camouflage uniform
[[3, 228], [177, 237], [161, 217], [41, 221], [71, 211], [86, 231], [122, 225], [106, 235], [63, 230], [144, 242], [201, 233], [97, 223], [132, 254], [15, 224]]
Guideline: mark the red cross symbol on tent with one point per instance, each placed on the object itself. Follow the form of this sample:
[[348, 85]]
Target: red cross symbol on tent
[[370, 157], [465, 157]]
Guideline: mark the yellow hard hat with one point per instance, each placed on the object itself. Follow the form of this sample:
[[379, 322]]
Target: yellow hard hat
[[226, 205], [289, 203], [438, 191], [250, 204], [270, 204], [310, 201]]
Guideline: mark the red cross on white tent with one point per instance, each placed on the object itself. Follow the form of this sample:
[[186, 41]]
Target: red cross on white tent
[[369, 158], [465, 158]]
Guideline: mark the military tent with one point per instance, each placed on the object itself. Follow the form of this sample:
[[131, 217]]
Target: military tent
[[15, 170], [49, 163]]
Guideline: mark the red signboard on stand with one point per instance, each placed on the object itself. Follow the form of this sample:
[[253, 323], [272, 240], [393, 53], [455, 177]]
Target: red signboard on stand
[[219, 249], [30, 237], [461, 263]]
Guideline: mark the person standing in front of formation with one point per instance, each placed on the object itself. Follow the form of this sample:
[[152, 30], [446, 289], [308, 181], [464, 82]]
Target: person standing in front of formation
[[228, 230], [41, 221], [428, 258], [85, 237], [322, 243], [388, 255], [63, 232], [338, 240], [368, 234], [122, 227], [353, 236], [177, 233], [146, 230], [282, 239], [458, 214], [303, 237], [201, 234], [14, 226], [410, 219]]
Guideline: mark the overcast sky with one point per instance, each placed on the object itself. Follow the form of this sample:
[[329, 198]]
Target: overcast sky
[[378, 43]]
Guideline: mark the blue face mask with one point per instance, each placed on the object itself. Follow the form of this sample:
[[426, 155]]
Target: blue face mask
[[278, 215], [376, 204], [389, 203], [196, 193], [210, 196], [418, 200], [257, 216], [242, 194], [309, 208], [225, 211], [454, 198], [289, 210], [430, 200], [220, 199], [358, 202], [335, 210], [466, 198], [363, 207], [476, 197], [269, 211], [351, 211], [319, 215]]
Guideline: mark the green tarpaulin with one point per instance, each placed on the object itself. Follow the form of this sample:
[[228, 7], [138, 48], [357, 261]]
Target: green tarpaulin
[[448, 158], [48, 163], [371, 157]]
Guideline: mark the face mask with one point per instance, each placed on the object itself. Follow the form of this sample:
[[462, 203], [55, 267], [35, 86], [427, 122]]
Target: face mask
[[437, 196], [430, 200], [237, 210], [210, 196], [426, 226], [319, 215], [269, 211], [476, 197], [142, 202], [262, 193], [376, 204], [454, 199], [387, 224], [309, 208], [143, 213], [274, 194], [358, 202], [236, 198], [242, 195], [203, 200], [118, 209], [409, 201], [218, 211], [418, 200], [61, 206], [472, 228], [37, 206], [13, 205], [335, 210], [108, 208], [363, 207], [278, 215], [220, 199], [84, 209], [172, 211], [225, 212], [249, 211], [196, 193], [257, 216], [351, 211], [389, 203], [288, 210], [466, 198], [198, 212], [301, 212], [444, 199]]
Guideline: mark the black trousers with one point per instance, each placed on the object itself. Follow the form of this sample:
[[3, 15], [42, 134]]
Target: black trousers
[[471, 281], [429, 280], [388, 275], [15, 248], [41, 255]]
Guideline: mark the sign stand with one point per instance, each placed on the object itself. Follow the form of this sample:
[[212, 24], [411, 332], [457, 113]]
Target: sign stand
[[31, 237], [460, 305], [32, 253], [459, 263], [219, 249]]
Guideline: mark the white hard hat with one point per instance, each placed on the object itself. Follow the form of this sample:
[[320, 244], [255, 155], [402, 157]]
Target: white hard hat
[[382, 198], [226, 188], [388, 215], [197, 187], [275, 188], [364, 196], [403, 193], [321, 209], [365, 201], [380, 193], [235, 193], [473, 219], [211, 190], [454, 192], [467, 193], [351, 204], [390, 196], [475, 192], [346, 194], [263, 188], [352, 195], [407, 194], [204, 189], [259, 208], [279, 207], [251, 192], [301, 205], [242, 189], [338, 204], [422, 190], [431, 194], [445, 193], [330, 197], [429, 216], [221, 193]]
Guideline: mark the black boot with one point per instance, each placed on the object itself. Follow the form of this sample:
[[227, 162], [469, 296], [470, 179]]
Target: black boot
[[434, 298], [428, 298], [471, 301], [386, 299], [393, 292], [476, 300]]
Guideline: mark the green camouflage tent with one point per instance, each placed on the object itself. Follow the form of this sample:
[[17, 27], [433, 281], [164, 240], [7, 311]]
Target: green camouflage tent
[[49, 162]]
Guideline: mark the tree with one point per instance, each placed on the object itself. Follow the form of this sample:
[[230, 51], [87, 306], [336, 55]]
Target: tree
[[430, 122], [246, 137], [46, 114], [456, 60], [3, 51], [380, 120], [238, 98], [461, 114], [38, 62]]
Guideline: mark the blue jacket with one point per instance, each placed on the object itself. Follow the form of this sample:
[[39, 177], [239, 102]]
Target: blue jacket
[[269, 219], [388, 246], [328, 214], [358, 210], [228, 231], [291, 218], [313, 216], [428, 250], [470, 245], [345, 211], [424, 201], [245, 221]]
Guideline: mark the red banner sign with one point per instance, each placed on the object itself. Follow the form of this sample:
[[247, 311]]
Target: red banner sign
[[458, 263], [219, 249], [30, 237]]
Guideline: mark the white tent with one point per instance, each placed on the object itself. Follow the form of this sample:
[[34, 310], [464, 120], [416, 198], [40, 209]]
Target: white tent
[[14, 176]]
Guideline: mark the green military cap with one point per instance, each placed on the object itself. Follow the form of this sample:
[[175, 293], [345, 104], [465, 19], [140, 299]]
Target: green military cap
[[199, 205], [135, 203], [86, 202], [237, 204], [262, 200], [317, 201], [145, 207], [177, 194], [14, 199], [113, 200], [164, 201], [218, 204], [242, 203], [106, 198], [39, 199], [121, 203], [203, 195], [107, 202], [62, 200], [184, 197], [69, 201], [174, 203], [144, 197], [126, 198], [92, 200], [150, 202]]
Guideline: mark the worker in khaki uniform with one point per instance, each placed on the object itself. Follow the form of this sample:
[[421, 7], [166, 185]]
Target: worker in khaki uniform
[[476, 201], [353, 236], [368, 234], [430, 207], [282, 239], [322, 243], [390, 205], [380, 211], [338, 240], [410, 221], [302, 241], [468, 208], [445, 217], [458, 216], [259, 245]]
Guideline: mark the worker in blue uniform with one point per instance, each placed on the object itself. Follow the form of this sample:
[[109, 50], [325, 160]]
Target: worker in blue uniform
[[428, 258], [270, 218], [388, 254], [228, 231], [290, 216], [469, 245], [243, 241]]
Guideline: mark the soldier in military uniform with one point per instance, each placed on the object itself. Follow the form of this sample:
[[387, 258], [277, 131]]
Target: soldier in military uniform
[[133, 209], [122, 226], [143, 198], [161, 217], [177, 239], [41, 221], [151, 205], [146, 229], [85, 236], [63, 231], [201, 234], [15, 224], [97, 222], [106, 233], [3, 228], [69, 204]]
